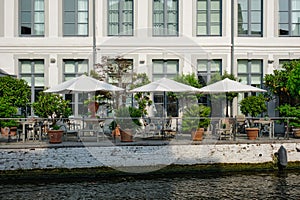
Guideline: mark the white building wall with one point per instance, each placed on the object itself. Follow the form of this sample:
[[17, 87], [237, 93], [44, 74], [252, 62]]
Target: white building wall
[[141, 47]]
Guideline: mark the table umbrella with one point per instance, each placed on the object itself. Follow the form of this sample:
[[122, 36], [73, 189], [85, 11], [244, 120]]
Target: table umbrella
[[81, 84], [226, 85]]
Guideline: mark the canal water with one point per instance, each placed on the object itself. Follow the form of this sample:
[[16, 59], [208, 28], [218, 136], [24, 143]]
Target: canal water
[[214, 186]]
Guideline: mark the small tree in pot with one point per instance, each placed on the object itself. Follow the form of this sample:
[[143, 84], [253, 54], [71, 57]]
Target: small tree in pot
[[55, 107], [253, 106], [195, 120]]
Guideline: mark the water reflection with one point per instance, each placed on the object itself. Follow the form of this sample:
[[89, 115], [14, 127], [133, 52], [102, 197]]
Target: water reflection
[[229, 186]]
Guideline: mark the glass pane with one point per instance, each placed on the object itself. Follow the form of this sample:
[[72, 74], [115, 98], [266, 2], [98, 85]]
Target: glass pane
[[128, 4], [215, 30], [172, 17], [83, 5], [26, 29], [295, 17], [255, 29], [283, 5], [39, 17], [26, 67], [172, 67], [82, 29], [172, 29], [202, 66], [82, 17], [113, 29], [113, 4], [69, 67], [25, 5], [172, 4], [26, 17], [215, 17], [295, 5], [127, 16], [39, 29], [201, 30], [82, 67], [69, 17], [244, 17], [255, 66], [158, 4], [256, 17], [158, 67], [201, 17], [215, 66], [295, 30], [113, 16], [69, 5], [201, 5], [215, 4], [39, 67], [255, 4], [158, 17], [243, 4], [39, 5], [243, 79], [255, 80], [283, 29], [283, 17], [242, 66], [69, 29], [27, 79], [38, 81]]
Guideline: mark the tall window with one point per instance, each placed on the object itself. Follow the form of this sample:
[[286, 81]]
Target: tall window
[[165, 17], [75, 17], [209, 17], [289, 18], [71, 69], [31, 18], [165, 104], [250, 72], [120, 17], [250, 17], [32, 71], [205, 70]]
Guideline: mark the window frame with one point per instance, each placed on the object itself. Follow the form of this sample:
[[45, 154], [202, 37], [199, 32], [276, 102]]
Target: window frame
[[290, 23], [165, 30], [208, 22], [249, 21], [32, 20], [121, 20], [76, 20]]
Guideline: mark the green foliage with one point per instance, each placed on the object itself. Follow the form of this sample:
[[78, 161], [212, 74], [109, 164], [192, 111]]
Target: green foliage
[[287, 110], [128, 117], [194, 117], [15, 91], [253, 105], [142, 98], [188, 79], [51, 105], [285, 83], [7, 111]]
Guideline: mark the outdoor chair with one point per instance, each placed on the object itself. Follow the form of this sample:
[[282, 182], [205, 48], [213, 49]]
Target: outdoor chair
[[225, 129]]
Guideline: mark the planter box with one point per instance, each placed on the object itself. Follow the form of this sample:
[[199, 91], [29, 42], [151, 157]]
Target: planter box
[[55, 136], [198, 134]]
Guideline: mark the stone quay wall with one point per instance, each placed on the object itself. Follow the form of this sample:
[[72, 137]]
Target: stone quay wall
[[140, 156]]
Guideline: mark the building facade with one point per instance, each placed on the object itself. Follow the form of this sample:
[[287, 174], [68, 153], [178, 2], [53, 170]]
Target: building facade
[[47, 42]]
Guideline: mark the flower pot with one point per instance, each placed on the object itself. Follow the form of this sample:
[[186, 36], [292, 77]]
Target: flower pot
[[55, 136], [198, 134], [126, 135], [252, 133]]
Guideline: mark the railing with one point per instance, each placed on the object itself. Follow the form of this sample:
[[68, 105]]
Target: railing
[[36, 128]]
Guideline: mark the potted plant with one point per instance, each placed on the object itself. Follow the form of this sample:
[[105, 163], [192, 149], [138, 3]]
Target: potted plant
[[127, 120], [52, 106], [195, 119], [253, 106]]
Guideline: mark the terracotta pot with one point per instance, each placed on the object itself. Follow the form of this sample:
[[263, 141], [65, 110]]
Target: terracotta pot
[[198, 134], [126, 135], [252, 133], [93, 107], [55, 136]]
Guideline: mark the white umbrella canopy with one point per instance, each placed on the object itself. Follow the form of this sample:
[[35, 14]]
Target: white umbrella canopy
[[166, 85], [81, 84], [226, 85]]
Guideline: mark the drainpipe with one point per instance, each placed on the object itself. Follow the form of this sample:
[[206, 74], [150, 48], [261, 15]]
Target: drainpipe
[[94, 36], [232, 36]]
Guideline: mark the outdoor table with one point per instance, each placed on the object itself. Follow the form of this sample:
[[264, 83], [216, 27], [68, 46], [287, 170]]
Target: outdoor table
[[269, 123], [29, 122]]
